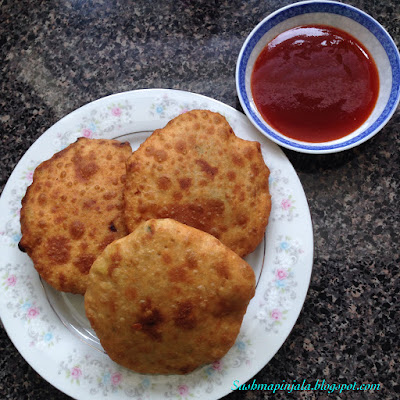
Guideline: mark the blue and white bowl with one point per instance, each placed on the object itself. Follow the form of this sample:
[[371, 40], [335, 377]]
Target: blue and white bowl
[[349, 19]]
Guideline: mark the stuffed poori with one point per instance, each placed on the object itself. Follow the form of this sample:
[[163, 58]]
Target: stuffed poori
[[73, 209], [197, 171], [167, 298]]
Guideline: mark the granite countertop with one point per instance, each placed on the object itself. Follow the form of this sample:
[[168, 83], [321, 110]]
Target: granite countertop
[[59, 55]]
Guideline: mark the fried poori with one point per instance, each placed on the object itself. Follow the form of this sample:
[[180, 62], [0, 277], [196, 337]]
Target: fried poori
[[73, 209], [197, 171], [167, 298]]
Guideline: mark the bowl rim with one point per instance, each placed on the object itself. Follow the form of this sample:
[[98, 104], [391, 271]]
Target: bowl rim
[[314, 6]]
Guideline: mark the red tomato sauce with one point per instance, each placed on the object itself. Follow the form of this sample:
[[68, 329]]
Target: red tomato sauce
[[315, 83]]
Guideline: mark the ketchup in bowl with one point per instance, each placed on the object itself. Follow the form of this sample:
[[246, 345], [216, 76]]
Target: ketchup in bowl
[[315, 83]]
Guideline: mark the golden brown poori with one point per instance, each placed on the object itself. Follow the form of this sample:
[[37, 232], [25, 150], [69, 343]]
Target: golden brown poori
[[167, 298], [73, 209], [197, 171]]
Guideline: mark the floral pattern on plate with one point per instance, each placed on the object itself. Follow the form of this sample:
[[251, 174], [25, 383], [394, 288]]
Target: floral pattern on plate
[[23, 301], [280, 292], [284, 202], [98, 123], [167, 107], [102, 376]]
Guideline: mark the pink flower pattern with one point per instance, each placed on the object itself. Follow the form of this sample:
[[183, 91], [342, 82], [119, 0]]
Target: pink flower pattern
[[281, 274], [87, 133], [217, 365], [183, 390], [29, 176], [116, 378], [116, 111], [11, 280], [286, 204], [76, 372], [33, 312], [276, 314]]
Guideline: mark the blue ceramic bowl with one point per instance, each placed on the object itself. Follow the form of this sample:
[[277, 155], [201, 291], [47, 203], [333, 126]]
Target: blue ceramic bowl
[[347, 18]]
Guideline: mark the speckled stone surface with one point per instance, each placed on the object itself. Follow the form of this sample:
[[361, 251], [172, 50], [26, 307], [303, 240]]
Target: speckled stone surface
[[59, 55]]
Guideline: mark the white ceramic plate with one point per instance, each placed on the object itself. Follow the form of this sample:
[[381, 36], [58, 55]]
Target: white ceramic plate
[[49, 328]]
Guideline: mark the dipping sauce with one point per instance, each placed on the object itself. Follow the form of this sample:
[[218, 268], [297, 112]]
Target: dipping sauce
[[315, 83]]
